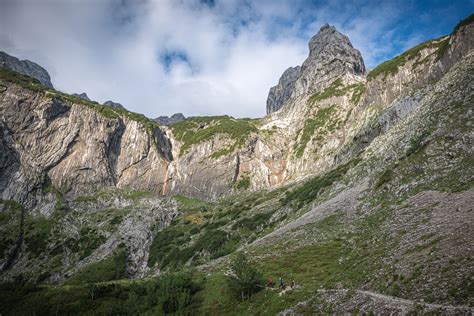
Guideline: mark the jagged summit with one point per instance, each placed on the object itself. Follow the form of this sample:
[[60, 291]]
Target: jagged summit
[[329, 44], [331, 55]]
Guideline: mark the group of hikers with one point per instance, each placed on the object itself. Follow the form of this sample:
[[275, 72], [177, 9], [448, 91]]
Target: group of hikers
[[281, 283]]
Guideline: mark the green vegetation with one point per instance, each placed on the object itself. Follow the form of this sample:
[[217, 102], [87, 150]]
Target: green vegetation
[[11, 215], [336, 89], [23, 81], [386, 177], [466, 21], [359, 90], [37, 233], [243, 183], [244, 280], [391, 66], [106, 111], [311, 189], [111, 268], [204, 230], [324, 121], [170, 294], [196, 130]]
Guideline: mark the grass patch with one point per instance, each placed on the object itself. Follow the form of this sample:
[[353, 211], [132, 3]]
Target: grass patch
[[111, 268], [391, 66], [196, 130], [466, 21], [310, 190], [243, 183], [169, 294], [336, 89], [386, 177], [324, 121]]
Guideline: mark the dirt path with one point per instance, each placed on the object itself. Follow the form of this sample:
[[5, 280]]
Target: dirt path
[[343, 301], [401, 302]]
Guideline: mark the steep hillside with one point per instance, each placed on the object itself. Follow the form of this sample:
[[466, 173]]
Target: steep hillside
[[359, 187]]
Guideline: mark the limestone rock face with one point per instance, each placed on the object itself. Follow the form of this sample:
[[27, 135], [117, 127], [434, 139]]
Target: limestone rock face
[[25, 67], [73, 147], [331, 55], [165, 120]]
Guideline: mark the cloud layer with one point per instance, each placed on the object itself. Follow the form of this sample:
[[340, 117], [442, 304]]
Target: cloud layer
[[208, 57]]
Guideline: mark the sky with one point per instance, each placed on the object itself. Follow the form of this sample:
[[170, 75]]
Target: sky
[[203, 57]]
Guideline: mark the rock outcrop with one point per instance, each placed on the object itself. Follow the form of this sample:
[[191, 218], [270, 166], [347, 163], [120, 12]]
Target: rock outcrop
[[279, 94], [331, 56], [82, 95], [25, 67], [165, 120], [114, 105]]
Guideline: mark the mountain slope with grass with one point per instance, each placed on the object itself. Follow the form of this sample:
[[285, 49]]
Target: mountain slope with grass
[[358, 188]]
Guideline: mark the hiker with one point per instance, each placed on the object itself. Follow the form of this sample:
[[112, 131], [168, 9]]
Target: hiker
[[282, 283], [293, 284], [270, 282]]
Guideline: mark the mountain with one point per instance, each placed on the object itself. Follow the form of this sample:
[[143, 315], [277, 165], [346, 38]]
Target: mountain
[[165, 120], [358, 186], [331, 55], [25, 67], [115, 105], [82, 95]]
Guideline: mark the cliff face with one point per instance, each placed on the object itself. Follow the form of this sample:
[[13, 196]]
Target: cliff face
[[74, 147], [329, 112]]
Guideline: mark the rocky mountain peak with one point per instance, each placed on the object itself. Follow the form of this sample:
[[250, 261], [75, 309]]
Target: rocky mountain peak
[[25, 67], [331, 56]]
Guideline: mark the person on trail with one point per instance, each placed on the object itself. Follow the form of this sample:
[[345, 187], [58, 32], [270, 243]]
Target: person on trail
[[282, 283], [270, 282], [293, 284]]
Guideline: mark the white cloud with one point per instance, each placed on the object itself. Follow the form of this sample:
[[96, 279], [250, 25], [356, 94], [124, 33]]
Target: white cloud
[[227, 55]]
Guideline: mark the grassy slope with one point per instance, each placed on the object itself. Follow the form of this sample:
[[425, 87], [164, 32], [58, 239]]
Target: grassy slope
[[196, 130]]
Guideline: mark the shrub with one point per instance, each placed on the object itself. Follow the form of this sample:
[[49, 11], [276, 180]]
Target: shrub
[[384, 178], [111, 268], [176, 292], [243, 183], [244, 280]]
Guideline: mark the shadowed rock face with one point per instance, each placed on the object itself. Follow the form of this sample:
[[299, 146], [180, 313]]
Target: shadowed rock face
[[280, 93], [331, 55], [25, 67]]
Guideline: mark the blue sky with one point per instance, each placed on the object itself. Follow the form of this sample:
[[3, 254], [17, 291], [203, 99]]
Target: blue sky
[[203, 57]]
